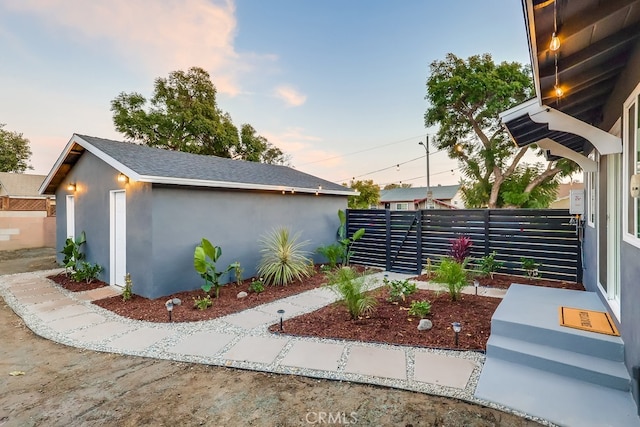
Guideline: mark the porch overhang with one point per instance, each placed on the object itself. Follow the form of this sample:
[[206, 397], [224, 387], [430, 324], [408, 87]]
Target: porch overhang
[[560, 134]]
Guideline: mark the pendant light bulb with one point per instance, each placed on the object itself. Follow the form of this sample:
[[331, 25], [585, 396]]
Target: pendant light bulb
[[555, 43], [558, 91]]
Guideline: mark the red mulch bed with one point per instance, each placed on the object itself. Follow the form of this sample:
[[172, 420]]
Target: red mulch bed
[[154, 310], [71, 285], [390, 323]]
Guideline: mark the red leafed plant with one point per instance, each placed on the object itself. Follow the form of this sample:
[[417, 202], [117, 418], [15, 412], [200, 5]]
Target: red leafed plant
[[460, 248]]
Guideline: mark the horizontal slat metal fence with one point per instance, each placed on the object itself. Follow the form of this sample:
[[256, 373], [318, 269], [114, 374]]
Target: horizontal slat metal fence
[[404, 241]]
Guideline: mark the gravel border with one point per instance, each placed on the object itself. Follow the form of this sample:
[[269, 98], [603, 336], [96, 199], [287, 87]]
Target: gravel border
[[179, 331]]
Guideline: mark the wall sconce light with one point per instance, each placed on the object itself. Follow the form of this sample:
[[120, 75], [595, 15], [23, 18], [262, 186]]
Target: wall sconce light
[[457, 327], [123, 178], [71, 186]]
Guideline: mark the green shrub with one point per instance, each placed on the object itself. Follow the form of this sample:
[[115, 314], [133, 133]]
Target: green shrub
[[86, 271], [344, 240], [351, 288], [237, 272], [202, 303], [333, 253], [399, 289], [256, 286], [530, 266], [420, 308], [205, 257], [72, 252], [488, 264], [127, 292], [283, 259], [453, 275]]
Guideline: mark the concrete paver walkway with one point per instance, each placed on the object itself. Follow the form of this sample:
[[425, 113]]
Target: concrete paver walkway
[[241, 340]]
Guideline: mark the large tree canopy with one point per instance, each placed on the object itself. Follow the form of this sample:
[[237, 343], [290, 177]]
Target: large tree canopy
[[14, 151], [465, 98], [183, 116], [369, 194]]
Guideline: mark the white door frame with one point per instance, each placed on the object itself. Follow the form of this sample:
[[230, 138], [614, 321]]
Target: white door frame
[[71, 216], [614, 231], [117, 236]]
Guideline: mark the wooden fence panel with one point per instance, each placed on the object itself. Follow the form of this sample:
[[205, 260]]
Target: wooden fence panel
[[404, 241]]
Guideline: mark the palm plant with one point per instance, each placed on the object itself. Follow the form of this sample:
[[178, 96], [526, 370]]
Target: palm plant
[[283, 259], [352, 290]]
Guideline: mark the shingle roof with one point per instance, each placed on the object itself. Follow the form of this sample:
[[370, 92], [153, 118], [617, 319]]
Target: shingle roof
[[20, 184], [165, 166], [440, 192]]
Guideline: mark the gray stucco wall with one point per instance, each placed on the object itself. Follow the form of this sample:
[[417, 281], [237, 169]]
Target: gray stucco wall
[[94, 179], [589, 259], [233, 220], [629, 300]]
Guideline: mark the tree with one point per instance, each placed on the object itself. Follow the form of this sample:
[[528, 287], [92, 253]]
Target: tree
[[183, 116], [14, 151], [465, 99], [369, 194], [394, 185]]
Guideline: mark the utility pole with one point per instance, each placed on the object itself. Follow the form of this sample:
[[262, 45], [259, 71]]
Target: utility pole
[[429, 192]]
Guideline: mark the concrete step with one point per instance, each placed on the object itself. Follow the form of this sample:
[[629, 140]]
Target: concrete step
[[584, 367], [562, 400]]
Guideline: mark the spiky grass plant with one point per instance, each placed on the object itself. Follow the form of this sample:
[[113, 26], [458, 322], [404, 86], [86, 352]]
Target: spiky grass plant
[[283, 258], [352, 289]]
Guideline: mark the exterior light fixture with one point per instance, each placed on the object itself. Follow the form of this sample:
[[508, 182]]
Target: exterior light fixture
[[457, 327], [281, 313], [398, 167], [282, 191], [475, 285], [554, 45], [558, 91], [71, 186], [170, 304], [123, 178]]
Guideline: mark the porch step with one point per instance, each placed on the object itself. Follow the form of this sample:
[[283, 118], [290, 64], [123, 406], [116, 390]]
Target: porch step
[[565, 375], [596, 370]]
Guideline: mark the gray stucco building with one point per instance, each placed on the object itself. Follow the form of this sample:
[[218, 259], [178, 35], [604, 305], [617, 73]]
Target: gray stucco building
[[145, 209]]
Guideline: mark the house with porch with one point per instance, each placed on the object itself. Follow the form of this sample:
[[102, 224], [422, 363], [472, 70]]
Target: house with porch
[[585, 59]]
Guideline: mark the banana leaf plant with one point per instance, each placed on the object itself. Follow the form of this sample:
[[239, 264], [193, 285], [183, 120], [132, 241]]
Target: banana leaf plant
[[345, 241], [72, 253], [204, 261]]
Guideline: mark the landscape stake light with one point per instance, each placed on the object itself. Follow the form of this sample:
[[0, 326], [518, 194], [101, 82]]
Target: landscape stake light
[[170, 304], [457, 327], [281, 313], [475, 285]]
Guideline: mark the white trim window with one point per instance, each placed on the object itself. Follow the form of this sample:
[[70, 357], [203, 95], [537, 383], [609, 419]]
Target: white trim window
[[591, 193], [631, 166], [402, 206]]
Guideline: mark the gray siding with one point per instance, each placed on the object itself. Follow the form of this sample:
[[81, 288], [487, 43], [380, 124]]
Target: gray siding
[[233, 220]]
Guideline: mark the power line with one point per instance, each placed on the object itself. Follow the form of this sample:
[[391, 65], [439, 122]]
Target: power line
[[361, 151]]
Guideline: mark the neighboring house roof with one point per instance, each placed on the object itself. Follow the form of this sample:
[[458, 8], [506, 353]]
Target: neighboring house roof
[[155, 165], [20, 184], [440, 192]]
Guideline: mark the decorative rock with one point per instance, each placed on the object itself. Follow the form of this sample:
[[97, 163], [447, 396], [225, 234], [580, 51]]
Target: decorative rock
[[242, 294], [425, 325]]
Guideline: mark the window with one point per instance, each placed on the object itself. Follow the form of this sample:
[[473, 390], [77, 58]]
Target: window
[[402, 206], [631, 160], [591, 194]]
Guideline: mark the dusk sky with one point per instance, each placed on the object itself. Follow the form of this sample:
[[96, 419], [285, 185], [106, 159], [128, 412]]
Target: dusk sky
[[338, 85]]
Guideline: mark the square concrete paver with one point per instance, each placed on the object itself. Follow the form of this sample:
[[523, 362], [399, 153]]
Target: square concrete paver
[[140, 339], [62, 312], [204, 343], [99, 293], [249, 319], [377, 362], [41, 297], [100, 332], [51, 305], [256, 349], [310, 300], [69, 323], [442, 370], [314, 355], [272, 308]]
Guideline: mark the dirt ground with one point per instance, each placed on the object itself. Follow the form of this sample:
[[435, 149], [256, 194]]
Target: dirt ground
[[64, 386]]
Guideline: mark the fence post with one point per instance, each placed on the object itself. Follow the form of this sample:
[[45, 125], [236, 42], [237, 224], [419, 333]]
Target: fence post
[[387, 218], [487, 220], [419, 241]]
